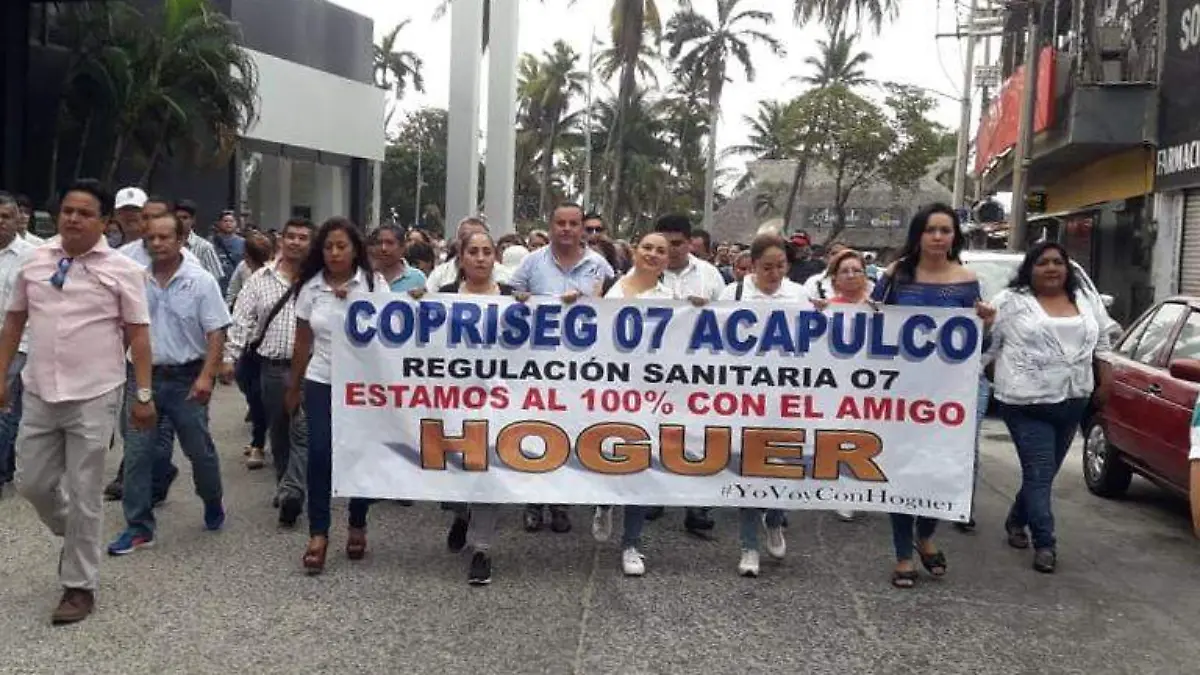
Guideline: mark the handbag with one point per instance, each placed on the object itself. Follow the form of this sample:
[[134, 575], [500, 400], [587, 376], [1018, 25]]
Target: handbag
[[250, 364]]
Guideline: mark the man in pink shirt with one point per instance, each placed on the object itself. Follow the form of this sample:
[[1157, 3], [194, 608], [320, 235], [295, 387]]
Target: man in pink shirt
[[84, 304]]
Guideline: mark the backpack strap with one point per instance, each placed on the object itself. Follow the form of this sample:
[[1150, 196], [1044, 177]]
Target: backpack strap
[[741, 288]]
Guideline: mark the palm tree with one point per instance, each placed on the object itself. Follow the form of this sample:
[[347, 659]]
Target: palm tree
[[833, 13], [838, 63], [631, 20], [546, 88], [708, 47], [191, 86], [395, 69], [773, 131]]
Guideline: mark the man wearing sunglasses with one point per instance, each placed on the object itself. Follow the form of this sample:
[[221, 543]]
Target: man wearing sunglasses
[[84, 305], [593, 227]]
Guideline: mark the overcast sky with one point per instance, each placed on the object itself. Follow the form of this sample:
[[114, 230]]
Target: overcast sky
[[906, 51]]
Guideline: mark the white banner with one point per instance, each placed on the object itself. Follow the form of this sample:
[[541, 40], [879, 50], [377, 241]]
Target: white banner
[[481, 399]]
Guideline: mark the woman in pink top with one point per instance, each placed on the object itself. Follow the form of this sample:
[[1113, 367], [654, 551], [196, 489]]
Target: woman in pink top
[[849, 274]]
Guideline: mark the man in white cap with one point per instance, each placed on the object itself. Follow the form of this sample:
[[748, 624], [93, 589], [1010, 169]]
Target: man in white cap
[[128, 204]]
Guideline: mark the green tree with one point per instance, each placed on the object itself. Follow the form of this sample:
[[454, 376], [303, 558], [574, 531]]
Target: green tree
[[837, 63], [546, 88], [834, 13], [773, 131], [421, 137], [395, 70], [186, 85], [631, 22], [704, 48]]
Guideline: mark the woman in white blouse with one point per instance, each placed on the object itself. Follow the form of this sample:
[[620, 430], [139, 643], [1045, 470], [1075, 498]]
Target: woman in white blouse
[[643, 281], [1045, 340], [337, 265], [767, 282], [768, 274]]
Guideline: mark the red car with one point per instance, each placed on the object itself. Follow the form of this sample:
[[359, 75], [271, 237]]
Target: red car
[[1144, 428]]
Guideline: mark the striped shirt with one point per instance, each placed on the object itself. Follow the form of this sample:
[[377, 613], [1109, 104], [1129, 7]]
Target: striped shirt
[[264, 288]]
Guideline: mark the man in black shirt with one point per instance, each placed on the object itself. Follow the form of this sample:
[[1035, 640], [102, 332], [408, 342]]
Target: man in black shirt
[[804, 265]]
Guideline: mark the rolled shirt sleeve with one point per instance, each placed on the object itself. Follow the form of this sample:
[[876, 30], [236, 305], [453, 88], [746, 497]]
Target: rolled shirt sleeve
[[131, 290], [18, 300], [214, 315]]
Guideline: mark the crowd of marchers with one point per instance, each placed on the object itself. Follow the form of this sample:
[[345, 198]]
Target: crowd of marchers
[[120, 326]]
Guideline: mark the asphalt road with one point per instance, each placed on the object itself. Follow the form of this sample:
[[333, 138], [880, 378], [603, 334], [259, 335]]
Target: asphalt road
[[1125, 599]]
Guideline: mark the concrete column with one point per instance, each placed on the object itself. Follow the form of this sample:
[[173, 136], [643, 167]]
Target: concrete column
[[462, 154], [275, 191], [376, 216], [502, 117], [329, 192]]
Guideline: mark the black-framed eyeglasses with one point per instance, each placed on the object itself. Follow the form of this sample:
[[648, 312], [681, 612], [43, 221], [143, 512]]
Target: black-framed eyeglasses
[[60, 274]]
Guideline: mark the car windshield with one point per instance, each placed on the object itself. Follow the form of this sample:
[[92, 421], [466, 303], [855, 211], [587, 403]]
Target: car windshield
[[996, 273], [993, 275]]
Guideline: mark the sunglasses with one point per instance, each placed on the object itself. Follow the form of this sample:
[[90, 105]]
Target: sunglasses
[[60, 274], [595, 230]]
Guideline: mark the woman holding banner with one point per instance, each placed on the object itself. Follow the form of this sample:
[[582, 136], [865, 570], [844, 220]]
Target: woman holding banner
[[643, 281], [476, 265], [767, 282], [927, 274], [847, 273], [1045, 342], [337, 264]]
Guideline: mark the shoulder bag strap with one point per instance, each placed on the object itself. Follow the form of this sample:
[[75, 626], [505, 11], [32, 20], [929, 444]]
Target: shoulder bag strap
[[741, 287], [271, 316]]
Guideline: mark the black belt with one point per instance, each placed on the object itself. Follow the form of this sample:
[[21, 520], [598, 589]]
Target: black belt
[[278, 363], [189, 368]]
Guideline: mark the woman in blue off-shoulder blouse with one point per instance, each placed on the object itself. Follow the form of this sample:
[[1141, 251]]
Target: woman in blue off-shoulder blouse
[[927, 274]]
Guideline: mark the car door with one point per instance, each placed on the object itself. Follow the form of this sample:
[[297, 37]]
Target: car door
[[1171, 409], [1137, 367]]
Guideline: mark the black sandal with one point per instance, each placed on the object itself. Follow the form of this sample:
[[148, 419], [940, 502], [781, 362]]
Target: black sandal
[[904, 578], [934, 563]]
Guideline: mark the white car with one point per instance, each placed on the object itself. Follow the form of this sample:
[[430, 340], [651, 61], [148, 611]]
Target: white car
[[996, 269]]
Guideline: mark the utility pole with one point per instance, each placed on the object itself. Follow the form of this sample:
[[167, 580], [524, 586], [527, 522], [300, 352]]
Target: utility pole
[[964, 119], [420, 183], [1019, 223], [985, 100]]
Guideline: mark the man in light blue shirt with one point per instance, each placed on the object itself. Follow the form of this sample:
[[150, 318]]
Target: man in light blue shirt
[[568, 269], [188, 318]]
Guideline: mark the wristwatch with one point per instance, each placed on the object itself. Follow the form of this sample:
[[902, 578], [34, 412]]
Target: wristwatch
[[144, 396]]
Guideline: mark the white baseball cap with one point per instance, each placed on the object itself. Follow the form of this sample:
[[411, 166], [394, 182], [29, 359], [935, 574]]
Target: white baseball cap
[[130, 196]]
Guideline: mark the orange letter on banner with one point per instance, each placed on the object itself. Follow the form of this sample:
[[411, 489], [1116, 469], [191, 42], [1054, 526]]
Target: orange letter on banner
[[473, 445], [631, 456], [856, 449], [508, 446], [760, 445], [717, 443]]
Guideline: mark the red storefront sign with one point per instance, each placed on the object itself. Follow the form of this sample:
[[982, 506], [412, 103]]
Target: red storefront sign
[[998, 128]]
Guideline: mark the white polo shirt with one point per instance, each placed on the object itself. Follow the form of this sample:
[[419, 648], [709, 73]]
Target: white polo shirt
[[789, 291], [699, 279], [323, 311]]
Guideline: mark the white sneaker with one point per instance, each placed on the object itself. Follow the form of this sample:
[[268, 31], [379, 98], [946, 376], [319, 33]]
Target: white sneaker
[[776, 544], [748, 565], [632, 562], [846, 516], [602, 523]]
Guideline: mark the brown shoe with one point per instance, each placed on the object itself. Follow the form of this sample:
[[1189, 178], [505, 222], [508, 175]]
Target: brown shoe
[[75, 606], [255, 459]]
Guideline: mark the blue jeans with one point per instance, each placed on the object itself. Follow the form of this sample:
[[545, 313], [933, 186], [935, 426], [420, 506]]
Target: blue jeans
[[750, 519], [320, 462], [144, 449], [10, 420], [248, 383], [164, 468], [1042, 435], [902, 532]]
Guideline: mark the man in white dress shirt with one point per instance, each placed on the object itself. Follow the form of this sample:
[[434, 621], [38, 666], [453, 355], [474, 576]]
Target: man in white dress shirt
[[14, 251]]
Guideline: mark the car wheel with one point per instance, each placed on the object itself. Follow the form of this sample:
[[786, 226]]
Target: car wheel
[[1105, 473]]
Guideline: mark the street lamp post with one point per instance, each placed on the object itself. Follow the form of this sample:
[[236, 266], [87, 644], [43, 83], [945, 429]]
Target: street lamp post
[[1019, 220]]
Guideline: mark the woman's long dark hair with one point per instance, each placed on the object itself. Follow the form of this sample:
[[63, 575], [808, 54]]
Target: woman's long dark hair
[[906, 263], [315, 263], [1024, 279]]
